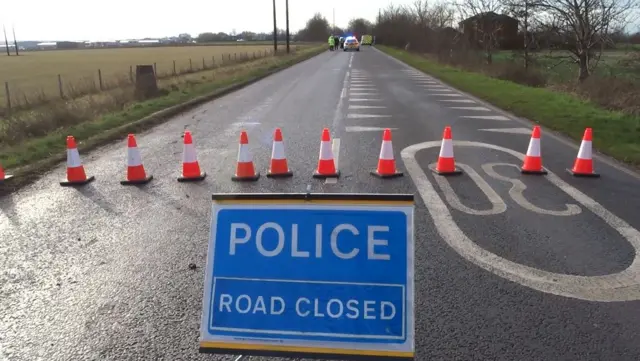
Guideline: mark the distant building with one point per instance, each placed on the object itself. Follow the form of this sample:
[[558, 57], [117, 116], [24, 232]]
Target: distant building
[[47, 45], [502, 27], [149, 42]]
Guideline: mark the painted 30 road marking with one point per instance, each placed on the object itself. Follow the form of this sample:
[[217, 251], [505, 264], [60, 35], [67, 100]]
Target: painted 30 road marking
[[621, 286]]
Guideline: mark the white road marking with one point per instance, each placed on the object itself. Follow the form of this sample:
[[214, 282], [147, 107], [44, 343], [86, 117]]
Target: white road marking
[[431, 90], [361, 82], [488, 117], [243, 124], [508, 130], [337, 114], [356, 93], [447, 95], [498, 205], [362, 86], [350, 60], [335, 147], [366, 107], [517, 189], [363, 116], [472, 108], [364, 100], [366, 129], [621, 286], [457, 100]]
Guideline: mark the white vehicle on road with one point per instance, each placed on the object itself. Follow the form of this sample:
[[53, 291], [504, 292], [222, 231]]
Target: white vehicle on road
[[351, 43]]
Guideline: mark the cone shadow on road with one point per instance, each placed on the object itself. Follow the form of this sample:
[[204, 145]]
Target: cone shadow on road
[[8, 208], [167, 200], [90, 192]]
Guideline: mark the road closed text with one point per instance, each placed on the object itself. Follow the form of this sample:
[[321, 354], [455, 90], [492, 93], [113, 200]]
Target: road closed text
[[309, 307]]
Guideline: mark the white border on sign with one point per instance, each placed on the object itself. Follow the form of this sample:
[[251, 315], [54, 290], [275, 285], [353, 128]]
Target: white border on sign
[[323, 334], [407, 346]]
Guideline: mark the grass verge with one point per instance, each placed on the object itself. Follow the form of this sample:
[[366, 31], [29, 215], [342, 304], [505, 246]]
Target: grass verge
[[29, 159], [615, 134]]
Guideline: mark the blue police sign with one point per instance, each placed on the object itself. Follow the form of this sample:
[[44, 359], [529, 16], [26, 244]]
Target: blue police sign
[[327, 275]]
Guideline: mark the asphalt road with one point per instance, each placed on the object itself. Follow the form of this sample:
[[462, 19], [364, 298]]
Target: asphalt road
[[102, 272]]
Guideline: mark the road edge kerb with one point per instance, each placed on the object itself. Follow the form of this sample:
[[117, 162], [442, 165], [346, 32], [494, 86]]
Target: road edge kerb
[[627, 168], [30, 173]]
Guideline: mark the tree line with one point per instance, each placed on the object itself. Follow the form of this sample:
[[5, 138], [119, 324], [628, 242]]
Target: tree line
[[579, 30]]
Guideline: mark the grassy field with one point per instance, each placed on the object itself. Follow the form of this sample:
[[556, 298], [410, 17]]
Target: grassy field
[[615, 133], [36, 73], [624, 62]]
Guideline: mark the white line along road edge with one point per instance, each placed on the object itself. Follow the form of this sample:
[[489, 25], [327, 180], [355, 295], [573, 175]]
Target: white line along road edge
[[622, 286]]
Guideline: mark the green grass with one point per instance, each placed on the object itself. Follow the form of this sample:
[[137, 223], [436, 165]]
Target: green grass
[[615, 133], [561, 69], [39, 154]]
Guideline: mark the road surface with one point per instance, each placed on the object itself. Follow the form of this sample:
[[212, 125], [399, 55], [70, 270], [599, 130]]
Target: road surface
[[102, 272]]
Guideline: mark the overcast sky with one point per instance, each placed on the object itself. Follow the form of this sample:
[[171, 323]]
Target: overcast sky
[[120, 19]]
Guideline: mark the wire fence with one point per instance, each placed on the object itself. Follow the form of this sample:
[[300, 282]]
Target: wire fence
[[65, 87]]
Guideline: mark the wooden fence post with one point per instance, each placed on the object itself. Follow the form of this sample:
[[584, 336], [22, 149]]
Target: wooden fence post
[[155, 70], [190, 65], [204, 65], [7, 93], [131, 73], [174, 68], [60, 86], [100, 79]]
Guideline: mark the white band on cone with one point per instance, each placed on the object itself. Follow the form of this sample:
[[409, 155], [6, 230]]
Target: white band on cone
[[534, 148], [326, 153], [189, 154], [133, 157], [73, 158], [277, 152], [244, 156], [585, 150], [446, 149], [386, 152]]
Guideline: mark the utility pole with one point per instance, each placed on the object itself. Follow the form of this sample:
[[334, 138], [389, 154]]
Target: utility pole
[[287, 10], [334, 21], [6, 41], [275, 29], [15, 42]]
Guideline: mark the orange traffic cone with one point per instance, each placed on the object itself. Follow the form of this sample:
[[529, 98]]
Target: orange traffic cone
[[446, 161], [326, 164], [190, 166], [533, 160], [245, 171], [75, 169], [279, 166], [135, 170], [386, 161], [583, 166], [3, 175]]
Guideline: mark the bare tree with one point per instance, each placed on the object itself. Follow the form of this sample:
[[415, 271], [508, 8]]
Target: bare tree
[[583, 27], [525, 11], [481, 23]]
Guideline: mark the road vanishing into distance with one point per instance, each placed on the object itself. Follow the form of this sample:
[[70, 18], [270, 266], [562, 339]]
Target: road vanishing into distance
[[507, 266]]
